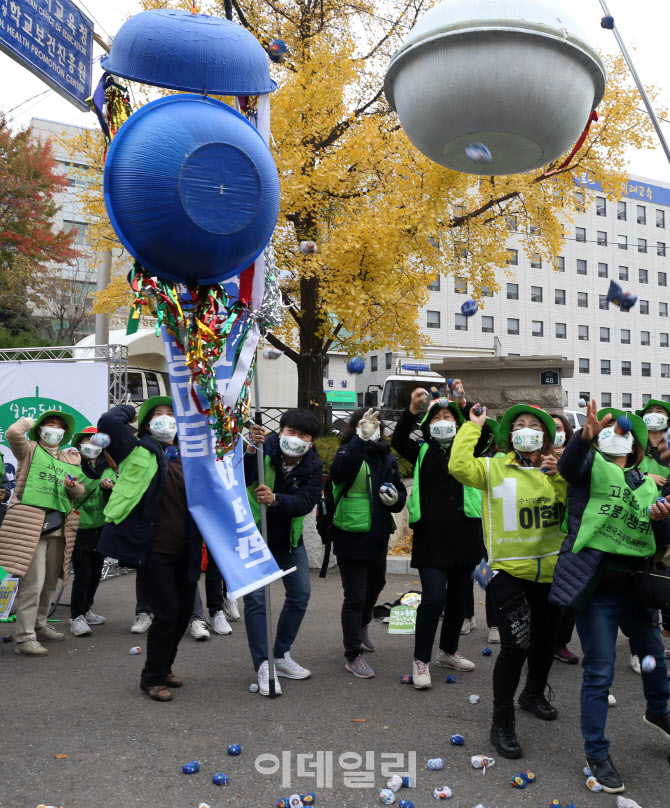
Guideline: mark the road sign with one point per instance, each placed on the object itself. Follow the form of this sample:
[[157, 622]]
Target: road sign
[[53, 40], [550, 377]]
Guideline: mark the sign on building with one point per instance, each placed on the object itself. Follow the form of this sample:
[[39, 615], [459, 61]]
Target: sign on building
[[53, 40], [550, 377]]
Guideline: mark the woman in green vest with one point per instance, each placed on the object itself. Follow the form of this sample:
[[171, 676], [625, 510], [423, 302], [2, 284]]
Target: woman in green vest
[[614, 524], [99, 475], [367, 489], [655, 416], [522, 507]]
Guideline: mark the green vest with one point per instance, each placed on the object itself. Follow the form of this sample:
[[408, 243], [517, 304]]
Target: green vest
[[616, 519], [270, 477], [651, 466], [472, 498], [91, 507], [353, 511], [135, 475], [45, 485]]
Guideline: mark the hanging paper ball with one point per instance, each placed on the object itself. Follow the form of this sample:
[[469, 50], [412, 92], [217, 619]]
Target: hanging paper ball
[[356, 365], [607, 22], [308, 247], [582, 402], [623, 425], [269, 352], [469, 308], [494, 72], [478, 153], [648, 664], [277, 49], [100, 439]]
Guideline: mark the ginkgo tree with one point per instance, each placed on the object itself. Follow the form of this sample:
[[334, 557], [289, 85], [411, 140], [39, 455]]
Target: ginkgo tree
[[386, 220]]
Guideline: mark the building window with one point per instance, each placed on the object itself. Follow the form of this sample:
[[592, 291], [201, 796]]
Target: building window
[[585, 395], [434, 285], [487, 325], [389, 361], [662, 309], [373, 364], [512, 326], [645, 338], [622, 241], [433, 319], [623, 273], [660, 248], [660, 218], [644, 307], [603, 302], [460, 286], [461, 323], [536, 262], [601, 237], [583, 300], [512, 291], [536, 294], [581, 266], [80, 232], [603, 271], [626, 369], [580, 234], [643, 275], [625, 336], [601, 206], [646, 369], [665, 371], [560, 263], [559, 297], [584, 365], [604, 334], [511, 223], [605, 399], [561, 331], [486, 292], [583, 332], [645, 399], [621, 211], [538, 328], [662, 278], [605, 367], [641, 214], [626, 401], [512, 257], [579, 201], [664, 340], [642, 245]]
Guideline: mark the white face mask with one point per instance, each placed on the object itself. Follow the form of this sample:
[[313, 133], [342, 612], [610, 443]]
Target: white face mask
[[615, 445], [559, 440], [163, 427], [443, 431], [376, 435], [655, 421], [527, 439], [51, 435], [90, 451], [293, 446]]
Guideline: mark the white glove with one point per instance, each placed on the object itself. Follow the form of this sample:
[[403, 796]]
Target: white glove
[[368, 424], [388, 494]]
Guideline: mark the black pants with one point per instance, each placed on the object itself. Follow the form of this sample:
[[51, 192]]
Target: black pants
[[87, 564], [214, 587], [171, 597], [141, 592], [489, 606], [442, 588], [362, 582], [565, 628], [527, 623]]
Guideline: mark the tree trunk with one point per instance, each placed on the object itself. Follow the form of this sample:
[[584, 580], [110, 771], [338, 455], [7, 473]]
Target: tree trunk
[[310, 363]]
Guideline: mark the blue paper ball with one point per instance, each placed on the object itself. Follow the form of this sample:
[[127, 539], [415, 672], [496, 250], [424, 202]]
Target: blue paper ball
[[607, 22], [408, 782], [469, 308], [478, 153], [220, 779], [435, 764], [405, 804], [623, 425], [457, 740], [191, 768], [308, 799], [234, 749], [277, 49], [356, 365], [450, 679], [487, 651]]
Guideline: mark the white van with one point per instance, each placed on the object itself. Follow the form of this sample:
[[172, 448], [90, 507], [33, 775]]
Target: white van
[[576, 418]]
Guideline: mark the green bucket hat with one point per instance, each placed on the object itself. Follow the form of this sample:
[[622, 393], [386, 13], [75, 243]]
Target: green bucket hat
[[34, 433], [639, 429], [85, 433], [443, 404], [495, 428], [518, 409], [653, 402], [149, 405]]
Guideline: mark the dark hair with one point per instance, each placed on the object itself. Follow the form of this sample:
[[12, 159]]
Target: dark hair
[[567, 426], [302, 420], [637, 454], [349, 429]]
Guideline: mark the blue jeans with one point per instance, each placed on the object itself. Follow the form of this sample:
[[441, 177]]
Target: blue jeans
[[598, 627], [298, 589]]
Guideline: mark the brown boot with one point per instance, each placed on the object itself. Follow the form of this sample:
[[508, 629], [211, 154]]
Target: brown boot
[[174, 681], [157, 692]]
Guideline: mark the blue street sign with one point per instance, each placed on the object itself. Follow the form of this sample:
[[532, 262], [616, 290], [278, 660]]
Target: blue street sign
[[550, 377], [53, 40]]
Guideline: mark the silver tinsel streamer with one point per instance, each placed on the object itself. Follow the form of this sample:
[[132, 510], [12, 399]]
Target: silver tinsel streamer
[[271, 313]]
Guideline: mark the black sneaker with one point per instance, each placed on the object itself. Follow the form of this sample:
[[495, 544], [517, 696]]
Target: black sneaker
[[605, 773], [659, 722]]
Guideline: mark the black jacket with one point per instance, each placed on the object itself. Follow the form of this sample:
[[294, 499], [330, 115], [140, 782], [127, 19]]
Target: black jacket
[[129, 541], [299, 490], [444, 536], [383, 469]]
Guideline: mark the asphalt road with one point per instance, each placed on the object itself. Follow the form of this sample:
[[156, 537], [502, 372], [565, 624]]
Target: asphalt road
[[125, 750]]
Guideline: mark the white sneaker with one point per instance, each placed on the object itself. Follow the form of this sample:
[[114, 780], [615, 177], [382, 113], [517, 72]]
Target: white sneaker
[[219, 624], [230, 609], [94, 619], [289, 668], [79, 626], [494, 635], [421, 675], [264, 680], [199, 630], [30, 648], [469, 624], [141, 624], [635, 664], [456, 661]]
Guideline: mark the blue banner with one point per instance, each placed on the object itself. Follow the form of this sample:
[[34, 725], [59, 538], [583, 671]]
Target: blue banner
[[53, 40], [215, 489], [635, 189]]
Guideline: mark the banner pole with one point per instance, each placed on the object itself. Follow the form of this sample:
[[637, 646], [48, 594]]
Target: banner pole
[[260, 454]]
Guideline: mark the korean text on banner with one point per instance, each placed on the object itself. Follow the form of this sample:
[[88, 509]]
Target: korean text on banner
[[215, 490]]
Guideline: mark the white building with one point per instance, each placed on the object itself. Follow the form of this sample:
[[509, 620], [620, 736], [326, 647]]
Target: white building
[[621, 358]]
